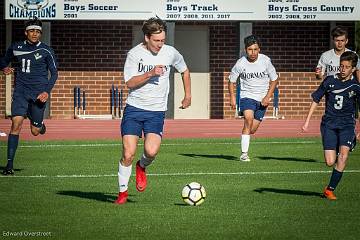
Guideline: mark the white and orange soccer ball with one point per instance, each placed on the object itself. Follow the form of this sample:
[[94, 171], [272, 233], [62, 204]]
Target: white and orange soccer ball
[[193, 194]]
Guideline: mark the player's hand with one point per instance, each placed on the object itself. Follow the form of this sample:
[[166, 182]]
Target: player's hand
[[265, 101], [233, 103], [43, 97], [158, 70], [358, 136], [318, 73], [305, 127], [8, 70], [185, 103]]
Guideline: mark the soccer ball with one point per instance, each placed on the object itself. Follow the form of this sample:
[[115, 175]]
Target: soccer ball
[[193, 194]]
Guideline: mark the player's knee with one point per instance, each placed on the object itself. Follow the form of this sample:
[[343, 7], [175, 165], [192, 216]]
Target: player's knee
[[151, 153], [342, 158], [128, 158], [15, 128], [330, 162]]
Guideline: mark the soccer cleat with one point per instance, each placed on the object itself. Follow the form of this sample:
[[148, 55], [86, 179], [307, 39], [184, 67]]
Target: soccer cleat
[[329, 194], [42, 129], [7, 171], [244, 157], [122, 198], [140, 178]]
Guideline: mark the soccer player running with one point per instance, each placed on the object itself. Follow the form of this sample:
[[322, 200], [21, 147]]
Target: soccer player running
[[329, 62], [32, 84], [337, 128], [258, 79], [146, 74]]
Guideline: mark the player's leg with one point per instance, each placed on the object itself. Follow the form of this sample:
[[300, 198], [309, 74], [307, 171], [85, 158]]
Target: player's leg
[[153, 129], [36, 117], [249, 107], [131, 130], [259, 114], [19, 107], [345, 143], [245, 136], [13, 141]]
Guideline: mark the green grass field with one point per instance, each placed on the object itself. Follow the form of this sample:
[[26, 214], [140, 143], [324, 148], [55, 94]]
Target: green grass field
[[65, 190]]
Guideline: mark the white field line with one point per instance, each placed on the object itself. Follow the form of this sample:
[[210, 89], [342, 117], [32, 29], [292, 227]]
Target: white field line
[[163, 144], [184, 174]]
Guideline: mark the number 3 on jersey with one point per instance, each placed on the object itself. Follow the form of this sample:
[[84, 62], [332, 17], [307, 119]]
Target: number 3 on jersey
[[339, 102], [25, 65]]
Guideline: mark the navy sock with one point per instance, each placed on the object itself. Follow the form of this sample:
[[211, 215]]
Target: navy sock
[[335, 179], [13, 141]]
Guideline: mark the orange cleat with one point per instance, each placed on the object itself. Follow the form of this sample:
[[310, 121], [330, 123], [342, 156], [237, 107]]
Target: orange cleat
[[122, 198], [140, 177], [329, 194]]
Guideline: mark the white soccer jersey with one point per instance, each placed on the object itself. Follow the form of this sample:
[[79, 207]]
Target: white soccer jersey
[[330, 62], [153, 95], [254, 76]]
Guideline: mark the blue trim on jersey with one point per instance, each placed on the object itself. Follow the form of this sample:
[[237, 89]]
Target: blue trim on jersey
[[34, 61], [340, 97]]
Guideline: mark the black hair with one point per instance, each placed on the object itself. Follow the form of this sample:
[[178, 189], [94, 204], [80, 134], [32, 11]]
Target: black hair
[[250, 40], [350, 56], [33, 22]]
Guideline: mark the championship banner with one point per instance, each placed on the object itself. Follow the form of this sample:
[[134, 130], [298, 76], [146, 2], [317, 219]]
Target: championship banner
[[185, 10]]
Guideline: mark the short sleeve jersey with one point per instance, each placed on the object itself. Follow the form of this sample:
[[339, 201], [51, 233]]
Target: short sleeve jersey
[[254, 76], [153, 95], [34, 61], [330, 62], [340, 97]]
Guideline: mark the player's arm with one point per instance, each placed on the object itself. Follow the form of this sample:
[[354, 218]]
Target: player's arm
[[310, 113], [266, 100], [270, 69], [231, 87], [51, 65], [139, 80], [316, 97], [320, 68], [186, 102], [233, 77]]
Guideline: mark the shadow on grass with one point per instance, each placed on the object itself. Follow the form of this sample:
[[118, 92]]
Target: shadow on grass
[[217, 156], [182, 204], [288, 191], [15, 169], [291, 159], [98, 196]]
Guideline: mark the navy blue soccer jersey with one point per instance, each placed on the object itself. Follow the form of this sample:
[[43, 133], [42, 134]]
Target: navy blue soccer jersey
[[34, 61], [340, 97]]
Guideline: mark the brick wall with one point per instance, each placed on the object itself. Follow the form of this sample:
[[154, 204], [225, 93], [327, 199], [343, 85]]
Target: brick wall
[[294, 90], [2, 52], [91, 55], [224, 49]]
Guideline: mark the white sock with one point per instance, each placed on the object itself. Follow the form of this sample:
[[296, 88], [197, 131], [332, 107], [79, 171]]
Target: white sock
[[245, 143], [124, 176], [144, 161]]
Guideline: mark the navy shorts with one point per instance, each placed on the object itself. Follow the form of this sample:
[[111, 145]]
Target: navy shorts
[[251, 104], [136, 121], [332, 138], [24, 103]]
